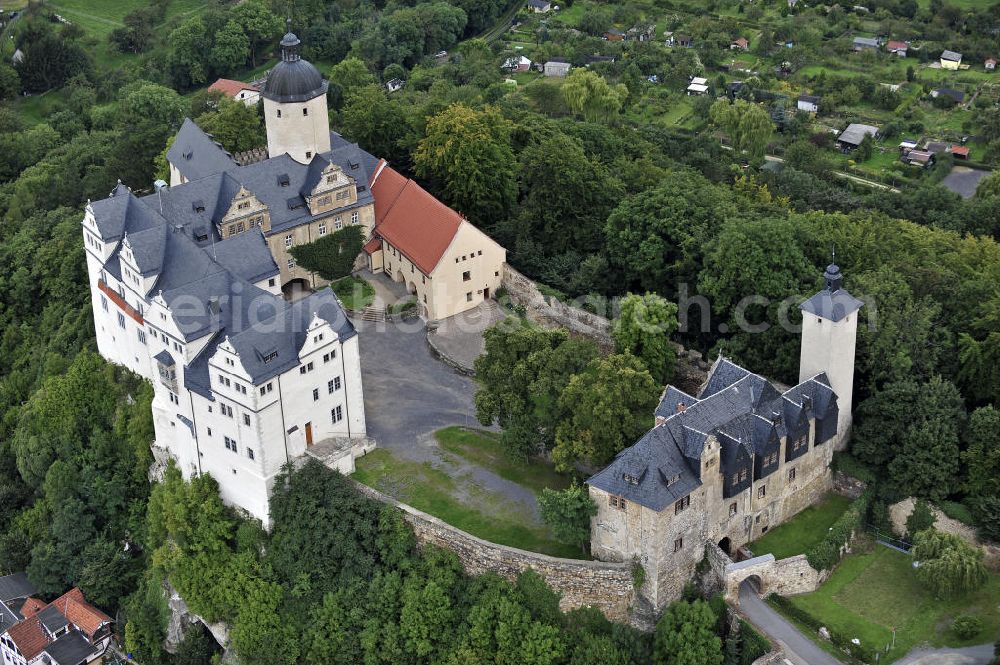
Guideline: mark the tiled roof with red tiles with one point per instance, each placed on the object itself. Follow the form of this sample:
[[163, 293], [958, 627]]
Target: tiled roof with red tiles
[[410, 219], [80, 613], [229, 87], [960, 150], [373, 245], [29, 636], [893, 45], [31, 607]]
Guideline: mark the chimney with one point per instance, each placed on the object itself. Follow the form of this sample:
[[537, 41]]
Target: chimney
[[681, 407]]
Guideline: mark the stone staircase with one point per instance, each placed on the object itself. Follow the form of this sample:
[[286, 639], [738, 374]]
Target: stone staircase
[[373, 314]]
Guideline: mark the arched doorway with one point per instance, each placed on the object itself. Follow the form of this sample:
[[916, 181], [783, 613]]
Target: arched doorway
[[725, 545], [756, 584], [411, 288], [296, 289]]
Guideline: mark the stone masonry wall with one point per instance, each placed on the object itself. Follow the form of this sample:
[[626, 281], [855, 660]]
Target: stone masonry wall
[[900, 511], [690, 372], [605, 586]]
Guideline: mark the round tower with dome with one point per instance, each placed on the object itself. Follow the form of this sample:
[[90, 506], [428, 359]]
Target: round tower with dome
[[295, 110]]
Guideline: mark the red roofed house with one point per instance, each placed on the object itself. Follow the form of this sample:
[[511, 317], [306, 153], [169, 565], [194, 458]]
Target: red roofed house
[[237, 90], [740, 44], [897, 47], [449, 264], [959, 151], [67, 631]]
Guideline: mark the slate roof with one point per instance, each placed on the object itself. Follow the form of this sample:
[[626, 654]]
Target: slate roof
[[280, 183], [195, 154], [14, 586], [834, 302], [209, 286], [743, 410], [957, 95], [867, 42], [52, 619], [951, 55], [70, 649], [293, 79], [812, 99], [409, 218]]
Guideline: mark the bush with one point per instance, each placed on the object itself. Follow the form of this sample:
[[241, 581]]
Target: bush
[[826, 554], [848, 465], [920, 519], [966, 627], [957, 511], [753, 645]]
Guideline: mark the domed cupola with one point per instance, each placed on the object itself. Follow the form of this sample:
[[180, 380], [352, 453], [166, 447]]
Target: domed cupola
[[295, 112], [293, 79]]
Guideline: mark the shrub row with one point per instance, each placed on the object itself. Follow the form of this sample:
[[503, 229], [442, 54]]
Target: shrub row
[[860, 652], [826, 554], [753, 645]]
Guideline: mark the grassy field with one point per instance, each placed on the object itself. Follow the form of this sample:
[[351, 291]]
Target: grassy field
[[459, 500], [354, 293], [803, 531], [483, 448], [869, 594]]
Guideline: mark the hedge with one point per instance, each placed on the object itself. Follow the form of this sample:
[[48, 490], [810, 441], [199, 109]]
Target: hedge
[[753, 645], [826, 554], [862, 652]]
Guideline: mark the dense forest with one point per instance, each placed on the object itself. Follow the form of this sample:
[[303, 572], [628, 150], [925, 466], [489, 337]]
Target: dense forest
[[588, 200]]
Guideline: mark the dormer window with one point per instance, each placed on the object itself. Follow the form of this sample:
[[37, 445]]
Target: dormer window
[[283, 180], [630, 479], [332, 178], [242, 205], [269, 356], [199, 206]]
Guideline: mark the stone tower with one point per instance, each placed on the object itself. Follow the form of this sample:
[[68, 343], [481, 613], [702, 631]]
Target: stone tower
[[295, 105], [829, 337]]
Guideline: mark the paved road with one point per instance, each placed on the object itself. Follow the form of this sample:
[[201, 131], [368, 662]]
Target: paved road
[[799, 649], [978, 655], [409, 394]]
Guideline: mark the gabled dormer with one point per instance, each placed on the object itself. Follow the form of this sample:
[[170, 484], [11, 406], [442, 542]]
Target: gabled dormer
[[228, 374], [93, 239], [319, 335], [245, 212], [327, 187]]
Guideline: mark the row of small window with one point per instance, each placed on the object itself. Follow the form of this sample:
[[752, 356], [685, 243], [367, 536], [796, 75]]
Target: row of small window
[[240, 388], [327, 199], [338, 224], [332, 386], [470, 256], [231, 445], [253, 223], [327, 357]]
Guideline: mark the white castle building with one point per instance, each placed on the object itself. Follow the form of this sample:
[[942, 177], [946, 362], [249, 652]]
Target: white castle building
[[187, 293]]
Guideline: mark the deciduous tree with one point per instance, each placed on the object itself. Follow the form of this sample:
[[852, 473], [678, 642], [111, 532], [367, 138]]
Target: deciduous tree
[[643, 328], [568, 512]]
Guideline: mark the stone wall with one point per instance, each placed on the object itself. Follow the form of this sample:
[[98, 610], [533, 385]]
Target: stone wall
[[606, 586], [900, 511], [785, 577], [690, 372]]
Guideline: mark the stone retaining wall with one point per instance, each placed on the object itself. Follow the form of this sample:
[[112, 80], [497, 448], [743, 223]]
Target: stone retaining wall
[[606, 586], [900, 511]]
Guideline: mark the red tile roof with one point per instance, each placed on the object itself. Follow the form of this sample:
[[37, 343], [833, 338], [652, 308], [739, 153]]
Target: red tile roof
[[31, 607], [960, 150], [29, 636], [373, 245], [229, 87], [742, 42], [410, 219], [896, 45]]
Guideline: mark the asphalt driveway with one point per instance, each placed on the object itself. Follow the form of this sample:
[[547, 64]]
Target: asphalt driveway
[[799, 649], [410, 394]]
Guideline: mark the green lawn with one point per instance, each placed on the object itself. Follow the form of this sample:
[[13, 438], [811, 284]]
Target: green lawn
[[459, 501], [354, 292], [803, 531], [869, 594], [483, 448]]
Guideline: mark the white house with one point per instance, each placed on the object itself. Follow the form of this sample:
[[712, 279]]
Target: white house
[[243, 380], [808, 103], [539, 6], [698, 86], [237, 90], [557, 68], [517, 64]]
